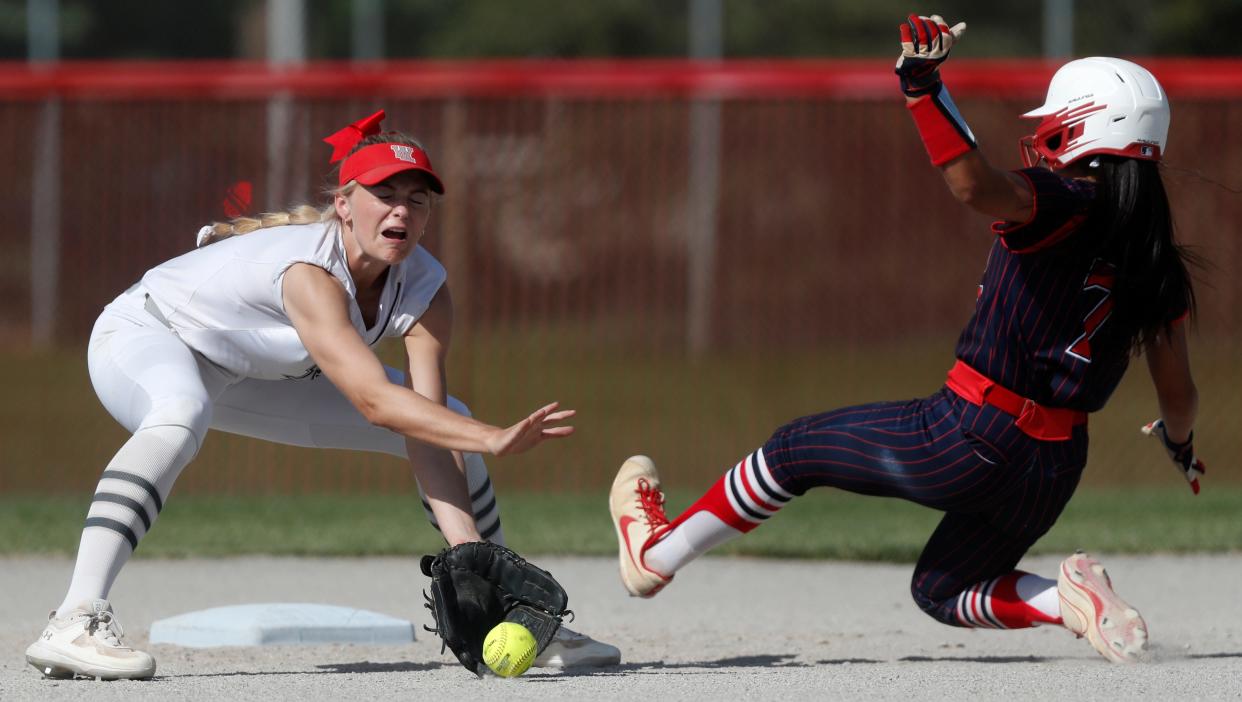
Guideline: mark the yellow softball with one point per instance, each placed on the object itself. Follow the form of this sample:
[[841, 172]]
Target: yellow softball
[[509, 649]]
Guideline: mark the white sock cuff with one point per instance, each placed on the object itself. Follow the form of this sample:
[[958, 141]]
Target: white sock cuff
[[698, 534], [1040, 593]]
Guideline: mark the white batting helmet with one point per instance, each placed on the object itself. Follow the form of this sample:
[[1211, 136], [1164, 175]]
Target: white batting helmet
[[1099, 106]]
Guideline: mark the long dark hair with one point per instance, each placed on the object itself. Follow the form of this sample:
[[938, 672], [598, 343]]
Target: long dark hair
[[1153, 285]]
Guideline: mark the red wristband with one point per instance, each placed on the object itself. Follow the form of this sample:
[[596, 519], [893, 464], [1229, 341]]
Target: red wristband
[[944, 132]]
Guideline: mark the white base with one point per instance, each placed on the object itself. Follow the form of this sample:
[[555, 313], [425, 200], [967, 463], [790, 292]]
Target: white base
[[280, 623]]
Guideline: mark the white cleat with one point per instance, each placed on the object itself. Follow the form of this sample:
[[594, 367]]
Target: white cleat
[[569, 649], [1090, 608], [637, 508], [87, 642]]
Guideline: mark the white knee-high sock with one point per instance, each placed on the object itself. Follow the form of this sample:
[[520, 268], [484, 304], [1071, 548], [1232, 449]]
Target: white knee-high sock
[[698, 534], [742, 499], [127, 501]]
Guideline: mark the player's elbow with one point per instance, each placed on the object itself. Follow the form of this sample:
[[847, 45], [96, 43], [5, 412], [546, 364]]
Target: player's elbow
[[967, 177], [988, 191], [969, 192], [371, 405], [372, 412], [987, 200]]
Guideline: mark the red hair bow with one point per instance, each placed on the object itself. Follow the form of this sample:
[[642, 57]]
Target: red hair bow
[[344, 140]]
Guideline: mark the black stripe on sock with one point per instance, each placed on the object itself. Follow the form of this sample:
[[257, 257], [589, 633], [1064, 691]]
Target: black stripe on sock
[[491, 530], [763, 483], [487, 485], [478, 516], [114, 526], [737, 497], [985, 596], [487, 509], [138, 508], [140, 482]]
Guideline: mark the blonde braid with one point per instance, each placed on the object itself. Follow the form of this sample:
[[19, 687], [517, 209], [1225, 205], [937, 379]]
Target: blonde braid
[[303, 214]]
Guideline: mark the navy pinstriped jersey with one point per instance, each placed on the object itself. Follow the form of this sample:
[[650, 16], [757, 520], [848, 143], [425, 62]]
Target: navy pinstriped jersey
[[1042, 299]]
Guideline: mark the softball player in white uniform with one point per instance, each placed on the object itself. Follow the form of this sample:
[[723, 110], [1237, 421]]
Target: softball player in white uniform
[[269, 335]]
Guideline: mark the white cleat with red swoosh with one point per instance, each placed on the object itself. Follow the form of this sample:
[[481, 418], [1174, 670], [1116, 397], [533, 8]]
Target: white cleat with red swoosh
[[637, 507]]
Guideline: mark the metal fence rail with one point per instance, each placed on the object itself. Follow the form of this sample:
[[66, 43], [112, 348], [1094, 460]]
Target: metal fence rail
[[572, 235]]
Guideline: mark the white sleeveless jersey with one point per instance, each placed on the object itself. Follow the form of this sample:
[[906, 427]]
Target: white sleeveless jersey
[[225, 300]]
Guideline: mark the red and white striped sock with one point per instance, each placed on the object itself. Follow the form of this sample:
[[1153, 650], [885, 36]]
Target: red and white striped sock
[[742, 499], [1016, 600]]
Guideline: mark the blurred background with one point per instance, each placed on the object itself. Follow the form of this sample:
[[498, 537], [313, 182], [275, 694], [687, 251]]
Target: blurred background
[[692, 220]]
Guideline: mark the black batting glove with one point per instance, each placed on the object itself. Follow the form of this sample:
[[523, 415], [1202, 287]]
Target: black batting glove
[[1182, 455], [925, 44]]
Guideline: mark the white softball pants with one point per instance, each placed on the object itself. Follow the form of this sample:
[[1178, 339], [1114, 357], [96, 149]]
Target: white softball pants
[[169, 397]]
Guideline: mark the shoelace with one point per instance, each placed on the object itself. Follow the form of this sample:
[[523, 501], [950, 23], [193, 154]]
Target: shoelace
[[104, 625], [651, 502]]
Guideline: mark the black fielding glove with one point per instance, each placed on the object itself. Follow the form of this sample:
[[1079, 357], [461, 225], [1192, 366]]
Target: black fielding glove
[[477, 585]]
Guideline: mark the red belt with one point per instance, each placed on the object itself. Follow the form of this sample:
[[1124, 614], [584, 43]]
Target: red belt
[[1033, 419]]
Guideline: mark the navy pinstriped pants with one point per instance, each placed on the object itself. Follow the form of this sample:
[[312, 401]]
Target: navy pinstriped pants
[[1000, 489]]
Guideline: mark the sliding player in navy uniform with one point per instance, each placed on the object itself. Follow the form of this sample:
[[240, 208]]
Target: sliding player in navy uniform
[[1083, 274]]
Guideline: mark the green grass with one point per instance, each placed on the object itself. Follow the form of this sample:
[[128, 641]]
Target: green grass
[[822, 524], [696, 417]]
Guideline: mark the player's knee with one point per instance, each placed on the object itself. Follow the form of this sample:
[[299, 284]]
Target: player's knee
[[190, 413], [921, 598], [937, 608]]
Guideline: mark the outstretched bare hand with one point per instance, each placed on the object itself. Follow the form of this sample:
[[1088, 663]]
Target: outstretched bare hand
[[526, 434]]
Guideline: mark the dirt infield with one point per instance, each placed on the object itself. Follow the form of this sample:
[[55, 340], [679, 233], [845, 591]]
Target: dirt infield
[[726, 629]]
